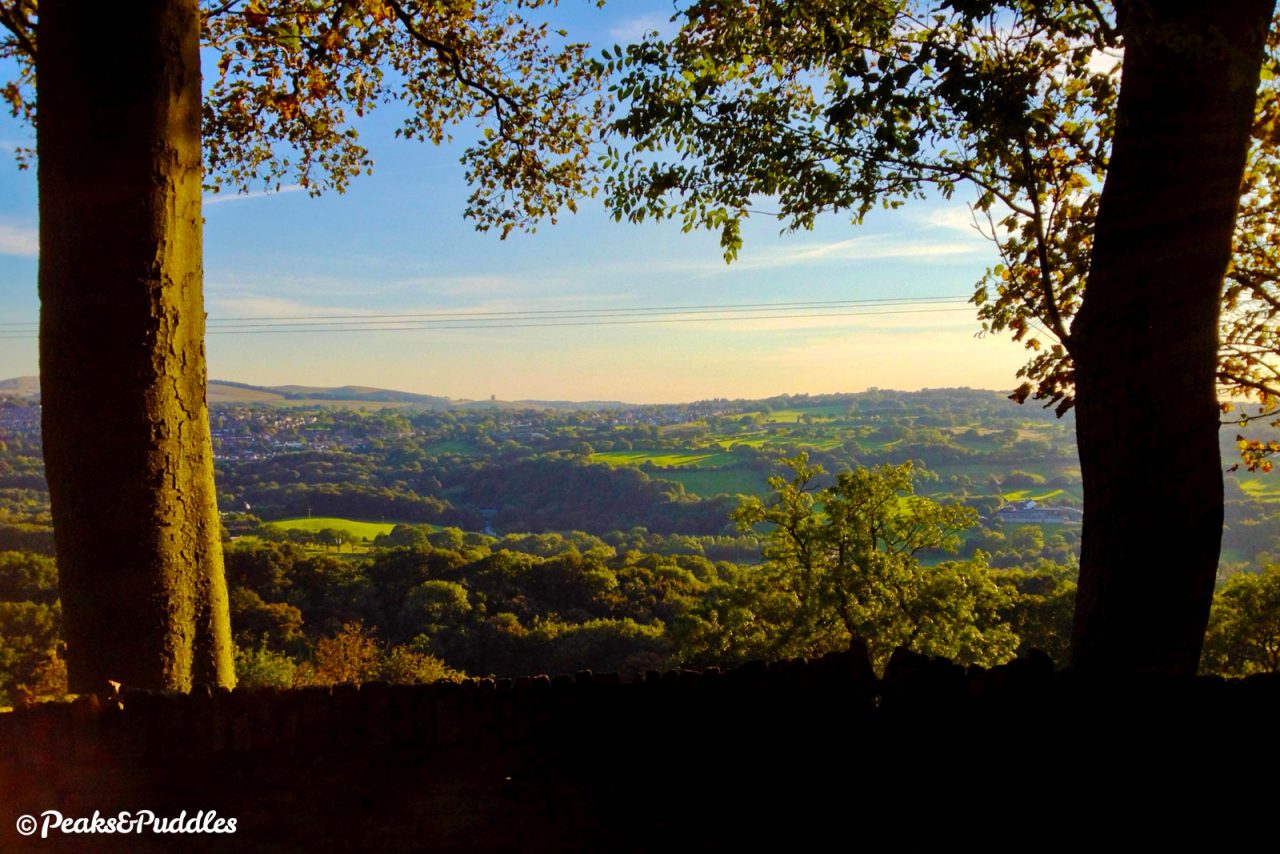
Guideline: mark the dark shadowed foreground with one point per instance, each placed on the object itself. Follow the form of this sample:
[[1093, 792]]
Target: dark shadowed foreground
[[785, 757]]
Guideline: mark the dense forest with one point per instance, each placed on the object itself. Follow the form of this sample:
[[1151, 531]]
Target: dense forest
[[384, 540]]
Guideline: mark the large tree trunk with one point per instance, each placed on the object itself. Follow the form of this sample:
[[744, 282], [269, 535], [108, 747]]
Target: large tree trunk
[[122, 367], [1145, 341]]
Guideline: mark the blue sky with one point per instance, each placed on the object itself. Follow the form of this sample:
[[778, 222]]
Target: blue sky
[[396, 242]]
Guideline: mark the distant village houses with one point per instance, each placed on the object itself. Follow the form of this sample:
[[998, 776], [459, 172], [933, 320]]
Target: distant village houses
[[1028, 512]]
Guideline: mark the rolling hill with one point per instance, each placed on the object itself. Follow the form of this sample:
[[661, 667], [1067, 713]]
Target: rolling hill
[[24, 387]]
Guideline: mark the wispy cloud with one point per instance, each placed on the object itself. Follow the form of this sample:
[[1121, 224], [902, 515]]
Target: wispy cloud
[[867, 248], [455, 286], [634, 29], [257, 306], [957, 217], [19, 240], [964, 219], [530, 291], [264, 306], [223, 198]]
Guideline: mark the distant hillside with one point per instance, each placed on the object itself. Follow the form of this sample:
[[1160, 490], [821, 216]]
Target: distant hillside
[[226, 391], [20, 387], [223, 391], [358, 392]]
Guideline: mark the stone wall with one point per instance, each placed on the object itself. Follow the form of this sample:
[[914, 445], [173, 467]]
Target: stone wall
[[787, 755]]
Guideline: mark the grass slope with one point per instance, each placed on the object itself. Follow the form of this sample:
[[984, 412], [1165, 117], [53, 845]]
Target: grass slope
[[708, 483], [363, 530], [665, 457]]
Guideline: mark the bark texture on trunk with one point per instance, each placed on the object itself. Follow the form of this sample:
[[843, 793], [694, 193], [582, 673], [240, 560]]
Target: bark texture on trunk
[[122, 365], [1145, 342]]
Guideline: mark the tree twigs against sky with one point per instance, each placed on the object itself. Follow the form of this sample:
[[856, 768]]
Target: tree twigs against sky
[[292, 78], [849, 106], [293, 73], [1249, 368], [1050, 255]]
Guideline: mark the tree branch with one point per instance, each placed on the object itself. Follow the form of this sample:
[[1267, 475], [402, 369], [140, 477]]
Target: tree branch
[[223, 9], [945, 170], [1245, 418], [450, 55], [1042, 250], [1256, 385], [1104, 26], [16, 22], [1256, 283]]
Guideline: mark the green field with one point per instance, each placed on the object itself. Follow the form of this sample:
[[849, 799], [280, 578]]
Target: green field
[[752, 440], [872, 444], [665, 457], [1035, 494], [793, 415], [825, 443], [1231, 556], [360, 530], [728, 481], [775, 440], [1263, 488]]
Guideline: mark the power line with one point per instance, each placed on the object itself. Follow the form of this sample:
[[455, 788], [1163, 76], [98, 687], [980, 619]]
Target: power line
[[730, 307], [543, 324], [541, 318]]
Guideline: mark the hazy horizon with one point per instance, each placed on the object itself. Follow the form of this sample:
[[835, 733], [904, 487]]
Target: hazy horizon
[[324, 386]]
